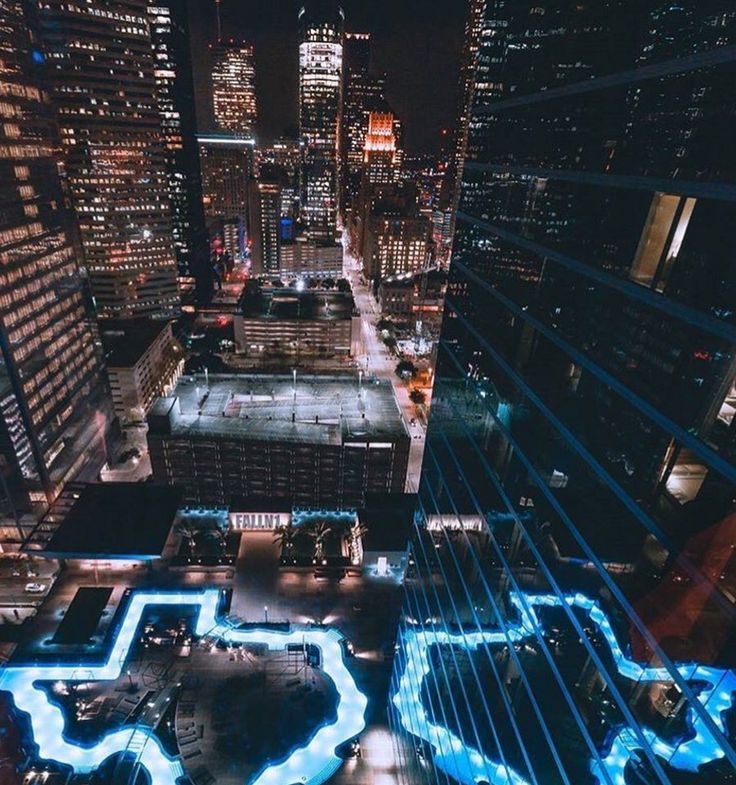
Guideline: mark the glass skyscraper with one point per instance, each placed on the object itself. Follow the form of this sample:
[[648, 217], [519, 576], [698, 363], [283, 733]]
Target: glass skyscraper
[[234, 87], [175, 93], [54, 397], [101, 66], [321, 33], [569, 612]]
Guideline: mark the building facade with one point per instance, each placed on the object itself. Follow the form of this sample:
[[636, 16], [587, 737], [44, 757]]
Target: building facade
[[394, 237], [100, 60], [282, 161], [415, 296], [570, 617], [302, 258], [264, 225], [476, 77], [234, 87], [381, 157], [363, 91], [175, 90], [144, 361], [316, 442], [227, 166], [54, 408], [296, 325], [320, 94]]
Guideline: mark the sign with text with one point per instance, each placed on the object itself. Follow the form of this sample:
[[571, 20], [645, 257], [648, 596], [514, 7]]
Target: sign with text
[[268, 521]]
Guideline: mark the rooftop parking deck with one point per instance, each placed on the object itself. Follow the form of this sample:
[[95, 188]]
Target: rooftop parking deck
[[318, 409]]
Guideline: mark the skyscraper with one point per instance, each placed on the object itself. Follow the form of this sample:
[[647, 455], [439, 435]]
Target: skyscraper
[[175, 89], [320, 92], [381, 152], [53, 407], [571, 614], [487, 85], [101, 63], [363, 92], [227, 166], [234, 87]]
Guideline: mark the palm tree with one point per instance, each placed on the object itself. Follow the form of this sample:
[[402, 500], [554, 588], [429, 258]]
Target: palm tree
[[216, 537], [284, 537], [357, 531], [186, 529], [319, 533]]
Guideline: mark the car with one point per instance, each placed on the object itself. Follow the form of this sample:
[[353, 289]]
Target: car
[[35, 588]]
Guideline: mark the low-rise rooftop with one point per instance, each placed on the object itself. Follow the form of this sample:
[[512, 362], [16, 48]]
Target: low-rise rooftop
[[318, 410], [109, 520], [125, 341], [291, 303]]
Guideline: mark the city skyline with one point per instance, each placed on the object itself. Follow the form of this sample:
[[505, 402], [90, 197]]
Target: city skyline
[[422, 67], [367, 392]]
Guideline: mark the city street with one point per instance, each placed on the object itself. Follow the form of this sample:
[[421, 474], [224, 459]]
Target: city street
[[378, 361]]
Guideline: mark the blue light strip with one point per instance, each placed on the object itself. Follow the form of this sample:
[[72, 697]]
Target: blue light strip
[[469, 766], [610, 584], [311, 764]]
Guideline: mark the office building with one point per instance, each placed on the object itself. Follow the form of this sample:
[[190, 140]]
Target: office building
[[320, 441], [381, 157], [264, 225], [571, 614], [396, 244], [175, 88], [320, 94], [302, 258], [414, 296], [231, 232], [234, 88], [282, 162], [144, 361], [100, 60], [296, 324], [395, 237], [54, 409], [363, 92], [227, 167], [479, 77]]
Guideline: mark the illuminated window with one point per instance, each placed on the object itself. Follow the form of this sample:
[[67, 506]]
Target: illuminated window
[[661, 240]]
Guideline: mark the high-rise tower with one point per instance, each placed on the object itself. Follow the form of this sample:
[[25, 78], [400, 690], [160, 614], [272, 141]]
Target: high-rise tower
[[101, 63], [490, 86], [381, 154], [363, 92], [175, 89], [320, 94], [233, 87], [53, 405], [571, 614]]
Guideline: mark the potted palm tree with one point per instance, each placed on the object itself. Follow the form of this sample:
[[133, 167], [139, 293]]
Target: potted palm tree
[[187, 531], [319, 533], [284, 538], [357, 531]]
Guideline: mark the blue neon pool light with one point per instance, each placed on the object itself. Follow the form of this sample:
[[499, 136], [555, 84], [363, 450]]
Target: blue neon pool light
[[469, 766], [311, 764]]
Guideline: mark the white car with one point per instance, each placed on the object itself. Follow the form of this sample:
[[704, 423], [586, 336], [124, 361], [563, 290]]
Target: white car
[[35, 588]]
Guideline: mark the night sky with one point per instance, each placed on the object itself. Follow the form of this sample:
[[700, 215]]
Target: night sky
[[416, 42]]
